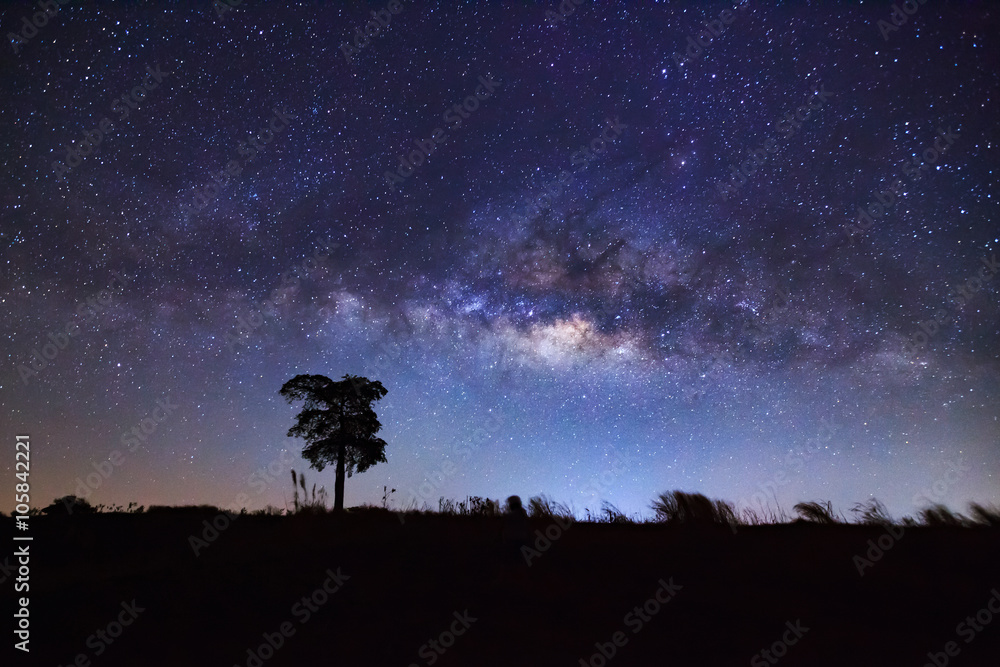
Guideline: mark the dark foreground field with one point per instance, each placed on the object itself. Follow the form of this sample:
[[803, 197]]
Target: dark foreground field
[[402, 585]]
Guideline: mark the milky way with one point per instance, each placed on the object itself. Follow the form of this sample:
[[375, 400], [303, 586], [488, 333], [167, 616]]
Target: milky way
[[598, 253]]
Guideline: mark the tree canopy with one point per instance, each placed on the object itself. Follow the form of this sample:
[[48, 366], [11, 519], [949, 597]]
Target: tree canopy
[[338, 423]]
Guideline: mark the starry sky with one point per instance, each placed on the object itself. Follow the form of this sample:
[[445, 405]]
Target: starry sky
[[598, 254]]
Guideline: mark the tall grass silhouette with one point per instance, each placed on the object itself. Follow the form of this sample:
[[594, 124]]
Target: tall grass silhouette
[[670, 508], [693, 509], [816, 512]]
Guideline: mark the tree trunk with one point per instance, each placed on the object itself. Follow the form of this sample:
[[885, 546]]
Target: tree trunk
[[338, 488]]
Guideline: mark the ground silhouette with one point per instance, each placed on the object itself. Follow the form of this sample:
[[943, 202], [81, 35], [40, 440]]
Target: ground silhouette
[[370, 586]]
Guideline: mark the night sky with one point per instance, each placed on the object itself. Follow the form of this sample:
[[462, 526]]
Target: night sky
[[695, 304]]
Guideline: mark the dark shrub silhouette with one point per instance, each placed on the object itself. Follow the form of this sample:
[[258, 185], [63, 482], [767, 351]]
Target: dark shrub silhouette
[[986, 516], [471, 506], [409, 578], [183, 509], [816, 512], [543, 507], [338, 423], [68, 505], [269, 510], [611, 514], [725, 513], [484, 506], [872, 513], [939, 515], [514, 534], [692, 509]]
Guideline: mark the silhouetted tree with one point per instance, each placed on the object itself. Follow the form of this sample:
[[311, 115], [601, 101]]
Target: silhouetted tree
[[338, 423]]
